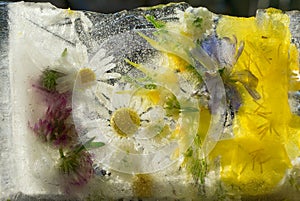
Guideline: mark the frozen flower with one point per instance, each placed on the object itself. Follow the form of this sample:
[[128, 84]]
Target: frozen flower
[[135, 120], [251, 164], [195, 22], [74, 64], [225, 54], [179, 38], [223, 51], [56, 127], [59, 134], [76, 167]]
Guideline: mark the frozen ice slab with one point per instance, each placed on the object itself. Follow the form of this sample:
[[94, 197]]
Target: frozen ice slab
[[168, 103]]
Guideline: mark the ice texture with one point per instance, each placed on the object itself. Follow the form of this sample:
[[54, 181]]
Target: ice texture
[[6, 173], [32, 36]]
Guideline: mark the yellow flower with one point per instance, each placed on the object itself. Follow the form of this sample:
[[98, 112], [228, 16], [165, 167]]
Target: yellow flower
[[254, 166], [266, 132]]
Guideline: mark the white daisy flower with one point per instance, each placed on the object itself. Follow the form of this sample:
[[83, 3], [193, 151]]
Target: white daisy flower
[[74, 64], [129, 120], [125, 111]]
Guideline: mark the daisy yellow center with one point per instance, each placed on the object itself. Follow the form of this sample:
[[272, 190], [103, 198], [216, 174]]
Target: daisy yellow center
[[125, 122], [87, 75]]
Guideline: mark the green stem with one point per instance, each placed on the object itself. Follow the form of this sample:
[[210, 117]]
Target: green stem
[[61, 153], [82, 147]]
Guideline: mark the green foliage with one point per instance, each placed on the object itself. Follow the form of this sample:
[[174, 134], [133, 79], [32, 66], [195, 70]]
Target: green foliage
[[137, 82], [150, 86], [172, 106], [92, 145], [189, 153], [198, 22], [49, 78], [64, 53], [156, 23], [69, 163], [189, 109], [195, 163], [198, 169]]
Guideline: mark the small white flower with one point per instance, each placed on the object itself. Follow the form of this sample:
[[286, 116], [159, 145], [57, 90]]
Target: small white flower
[[74, 64], [195, 22]]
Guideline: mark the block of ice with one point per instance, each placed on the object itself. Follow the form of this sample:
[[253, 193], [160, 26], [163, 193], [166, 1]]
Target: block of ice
[[162, 103]]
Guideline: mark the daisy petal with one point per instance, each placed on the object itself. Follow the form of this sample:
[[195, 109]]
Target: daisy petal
[[108, 76], [104, 69]]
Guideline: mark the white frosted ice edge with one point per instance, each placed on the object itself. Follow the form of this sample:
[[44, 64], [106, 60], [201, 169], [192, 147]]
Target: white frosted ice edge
[[5, 106], [33, 48], [27, 44]]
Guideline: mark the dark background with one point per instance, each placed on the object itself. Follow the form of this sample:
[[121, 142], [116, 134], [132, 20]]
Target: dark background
[[231, 7]]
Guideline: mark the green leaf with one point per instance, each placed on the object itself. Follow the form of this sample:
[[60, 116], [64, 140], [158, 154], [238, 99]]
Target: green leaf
[[189, 153], [64, 53], [198, 169], [156, 23], [198, 22], [172, 106], [189, 109], [93, 145]]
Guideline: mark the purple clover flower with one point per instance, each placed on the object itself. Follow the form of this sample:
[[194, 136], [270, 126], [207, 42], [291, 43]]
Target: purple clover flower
[[56, 127], [76, 167]]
